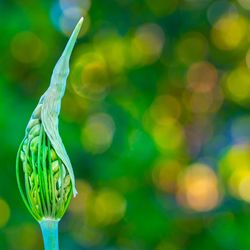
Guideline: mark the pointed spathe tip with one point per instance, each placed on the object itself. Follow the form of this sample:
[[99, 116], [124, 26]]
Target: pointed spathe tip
[[78, 27], [81, 20], [70, 45], [62, 65]]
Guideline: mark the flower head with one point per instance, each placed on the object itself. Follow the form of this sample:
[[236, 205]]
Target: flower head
[[44, 173]]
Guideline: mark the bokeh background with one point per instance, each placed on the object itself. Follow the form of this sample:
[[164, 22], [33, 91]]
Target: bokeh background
[[156, 121]]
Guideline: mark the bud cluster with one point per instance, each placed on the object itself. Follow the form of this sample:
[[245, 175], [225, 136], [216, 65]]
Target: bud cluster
[[47, 188]]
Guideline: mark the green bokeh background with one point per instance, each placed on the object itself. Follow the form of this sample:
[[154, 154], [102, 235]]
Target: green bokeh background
[[155, 119]]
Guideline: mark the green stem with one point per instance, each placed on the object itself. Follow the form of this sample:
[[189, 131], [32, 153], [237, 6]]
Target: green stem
[[49, 229]]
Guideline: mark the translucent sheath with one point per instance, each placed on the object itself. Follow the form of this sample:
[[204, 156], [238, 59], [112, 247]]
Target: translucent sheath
[[50, 103]]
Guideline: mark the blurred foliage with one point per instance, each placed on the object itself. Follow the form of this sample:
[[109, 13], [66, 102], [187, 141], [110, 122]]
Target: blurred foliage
[[156, 121]]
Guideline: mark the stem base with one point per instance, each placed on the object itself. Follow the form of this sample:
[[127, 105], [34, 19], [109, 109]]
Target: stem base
[[49, 229]]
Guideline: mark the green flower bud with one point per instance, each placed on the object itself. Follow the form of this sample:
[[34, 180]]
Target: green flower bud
[[34, 144], [48, 191], [27, 168], [53, 155], [44, 173], [32, 123], [34, 131], [23, 155], [55, 166]]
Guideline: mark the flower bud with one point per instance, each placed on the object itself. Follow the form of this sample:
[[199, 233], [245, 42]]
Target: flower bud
[[44, 173], [48, 191]]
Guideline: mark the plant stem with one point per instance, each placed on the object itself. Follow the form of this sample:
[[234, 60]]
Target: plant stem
[[49, 229]]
